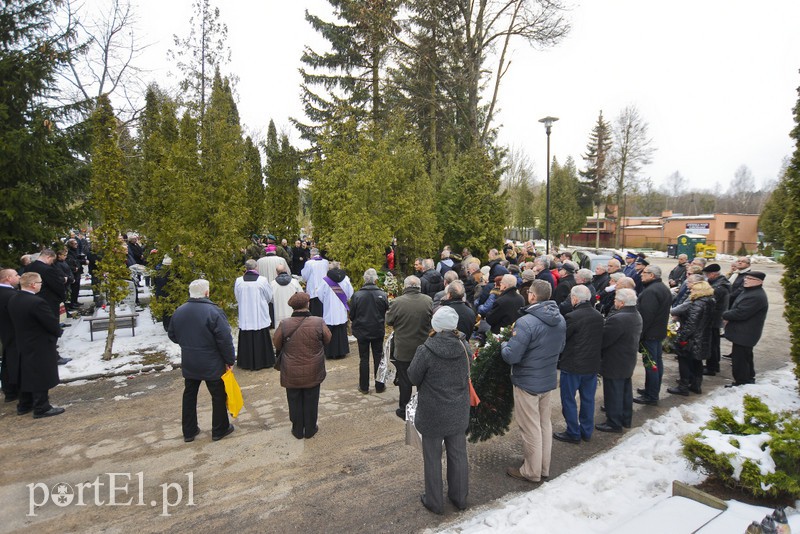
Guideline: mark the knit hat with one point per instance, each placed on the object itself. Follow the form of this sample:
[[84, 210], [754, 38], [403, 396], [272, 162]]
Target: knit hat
[[445, 318], [528, 275], [299, 301]]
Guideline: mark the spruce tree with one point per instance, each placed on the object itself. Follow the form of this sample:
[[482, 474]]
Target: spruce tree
[[594, 179], [43, 183], [283, 185], [791, 274], [109, 191], [566, 216], [255, 190]]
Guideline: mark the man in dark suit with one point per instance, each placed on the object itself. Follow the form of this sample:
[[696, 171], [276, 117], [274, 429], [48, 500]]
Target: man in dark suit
[[53, 290], [36, 330], [9, 369]]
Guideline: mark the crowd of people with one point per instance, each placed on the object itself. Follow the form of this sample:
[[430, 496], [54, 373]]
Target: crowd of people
[[571, 328]]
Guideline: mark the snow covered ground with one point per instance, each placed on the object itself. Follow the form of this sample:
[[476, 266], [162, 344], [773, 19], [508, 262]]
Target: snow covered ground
[[614, 487]]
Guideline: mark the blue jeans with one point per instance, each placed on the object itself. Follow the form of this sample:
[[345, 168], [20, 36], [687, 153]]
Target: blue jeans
[[586, 385], [652, 378]]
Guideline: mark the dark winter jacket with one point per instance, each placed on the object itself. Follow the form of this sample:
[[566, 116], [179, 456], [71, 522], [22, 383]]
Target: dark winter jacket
[[466, 316], [65, 270], [654, 303], [547, 276], [539, 337], [620, 346], [53, 289], [440, 371], [737, 286], [201, 329], [495, 270], [368, 307], [694, 334], [563, 288], [36, 332], [677, 275], [8, 337], [746, 317], [283, 279], [506, 309], [581, 355], [431, 282], [410, 315], [600, 282], [566, 306], [722, 295], [303, 357]]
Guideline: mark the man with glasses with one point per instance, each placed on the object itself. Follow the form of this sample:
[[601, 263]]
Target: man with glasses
[[36, 332], [738, 271], [653, 304]]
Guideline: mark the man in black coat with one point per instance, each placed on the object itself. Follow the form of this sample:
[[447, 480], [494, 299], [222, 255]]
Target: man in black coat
[[620, 346], [579, 364], [722, 294], [454, 298], [506, 308], [678, 273], [201, 329], [431, 282], [654, 304], [582, 278], [53, 290], [36, 332], [541, 266], [368, 307], [566, 282], [9, 368], [744, 324], [76, 263], [740, 268]]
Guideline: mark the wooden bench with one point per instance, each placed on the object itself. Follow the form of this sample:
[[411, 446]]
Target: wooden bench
[[123, 320]]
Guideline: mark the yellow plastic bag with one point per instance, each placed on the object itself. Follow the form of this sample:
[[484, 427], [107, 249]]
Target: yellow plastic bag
[[235, 400]]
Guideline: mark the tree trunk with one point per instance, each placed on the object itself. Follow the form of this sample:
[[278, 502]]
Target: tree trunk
[[112, 327]]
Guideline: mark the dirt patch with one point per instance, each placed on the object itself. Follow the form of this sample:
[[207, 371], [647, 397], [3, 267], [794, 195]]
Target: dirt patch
[[714, 486]]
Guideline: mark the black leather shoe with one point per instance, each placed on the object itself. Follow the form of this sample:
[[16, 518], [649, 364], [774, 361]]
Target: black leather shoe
[[422, 500], [587, 439], [680, 390], [49, 413], [641, 391], [189, 439], [12, 398], [605, 427], [63, 361], [229, 431], [645, 401], [696, 390], [457, 505], [706, 372], [24, 411], [400, 413], [566, 438], [311, 434], [364, 391], [379, 388]]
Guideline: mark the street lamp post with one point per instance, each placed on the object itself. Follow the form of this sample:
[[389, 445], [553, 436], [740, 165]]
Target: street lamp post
[[548, 124]]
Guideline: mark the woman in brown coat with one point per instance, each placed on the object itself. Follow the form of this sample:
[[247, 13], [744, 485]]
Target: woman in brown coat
[[301, 340]]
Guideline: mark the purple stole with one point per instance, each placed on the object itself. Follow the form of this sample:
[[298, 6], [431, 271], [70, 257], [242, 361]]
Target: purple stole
[[338, 291]]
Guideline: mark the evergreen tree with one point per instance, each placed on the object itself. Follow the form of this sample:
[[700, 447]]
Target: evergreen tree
[[367, 188], [283, 185], [108, 200], [348, 80], [43, 183], [791, 275], [255, 190], [469, 210], [773, 216], [566, 215], [594, 180]]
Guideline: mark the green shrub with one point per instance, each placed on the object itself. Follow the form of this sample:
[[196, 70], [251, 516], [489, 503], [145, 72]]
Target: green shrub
[[783, 444]]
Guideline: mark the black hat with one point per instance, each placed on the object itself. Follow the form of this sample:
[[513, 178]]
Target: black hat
[[711, 268], [756, 274], [642, 261], [631, 255]]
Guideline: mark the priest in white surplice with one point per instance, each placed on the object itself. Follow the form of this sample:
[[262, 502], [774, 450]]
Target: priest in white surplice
[[254, 294], [313, 272], [334, 292]]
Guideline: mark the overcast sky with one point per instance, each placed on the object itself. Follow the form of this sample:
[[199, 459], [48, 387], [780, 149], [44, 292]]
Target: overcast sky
[[715, 79]]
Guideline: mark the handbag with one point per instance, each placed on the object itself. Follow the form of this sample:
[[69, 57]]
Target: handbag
[[474, 400], [413, 437], [235, 402], [286, 340]]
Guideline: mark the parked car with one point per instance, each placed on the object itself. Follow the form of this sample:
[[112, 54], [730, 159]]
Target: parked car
[[589, 260]]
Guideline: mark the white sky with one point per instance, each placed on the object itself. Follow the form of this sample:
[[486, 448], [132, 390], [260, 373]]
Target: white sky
[[716, 80]]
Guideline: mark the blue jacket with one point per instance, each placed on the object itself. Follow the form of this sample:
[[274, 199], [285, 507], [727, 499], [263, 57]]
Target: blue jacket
[[538, 339], [201, 329]]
